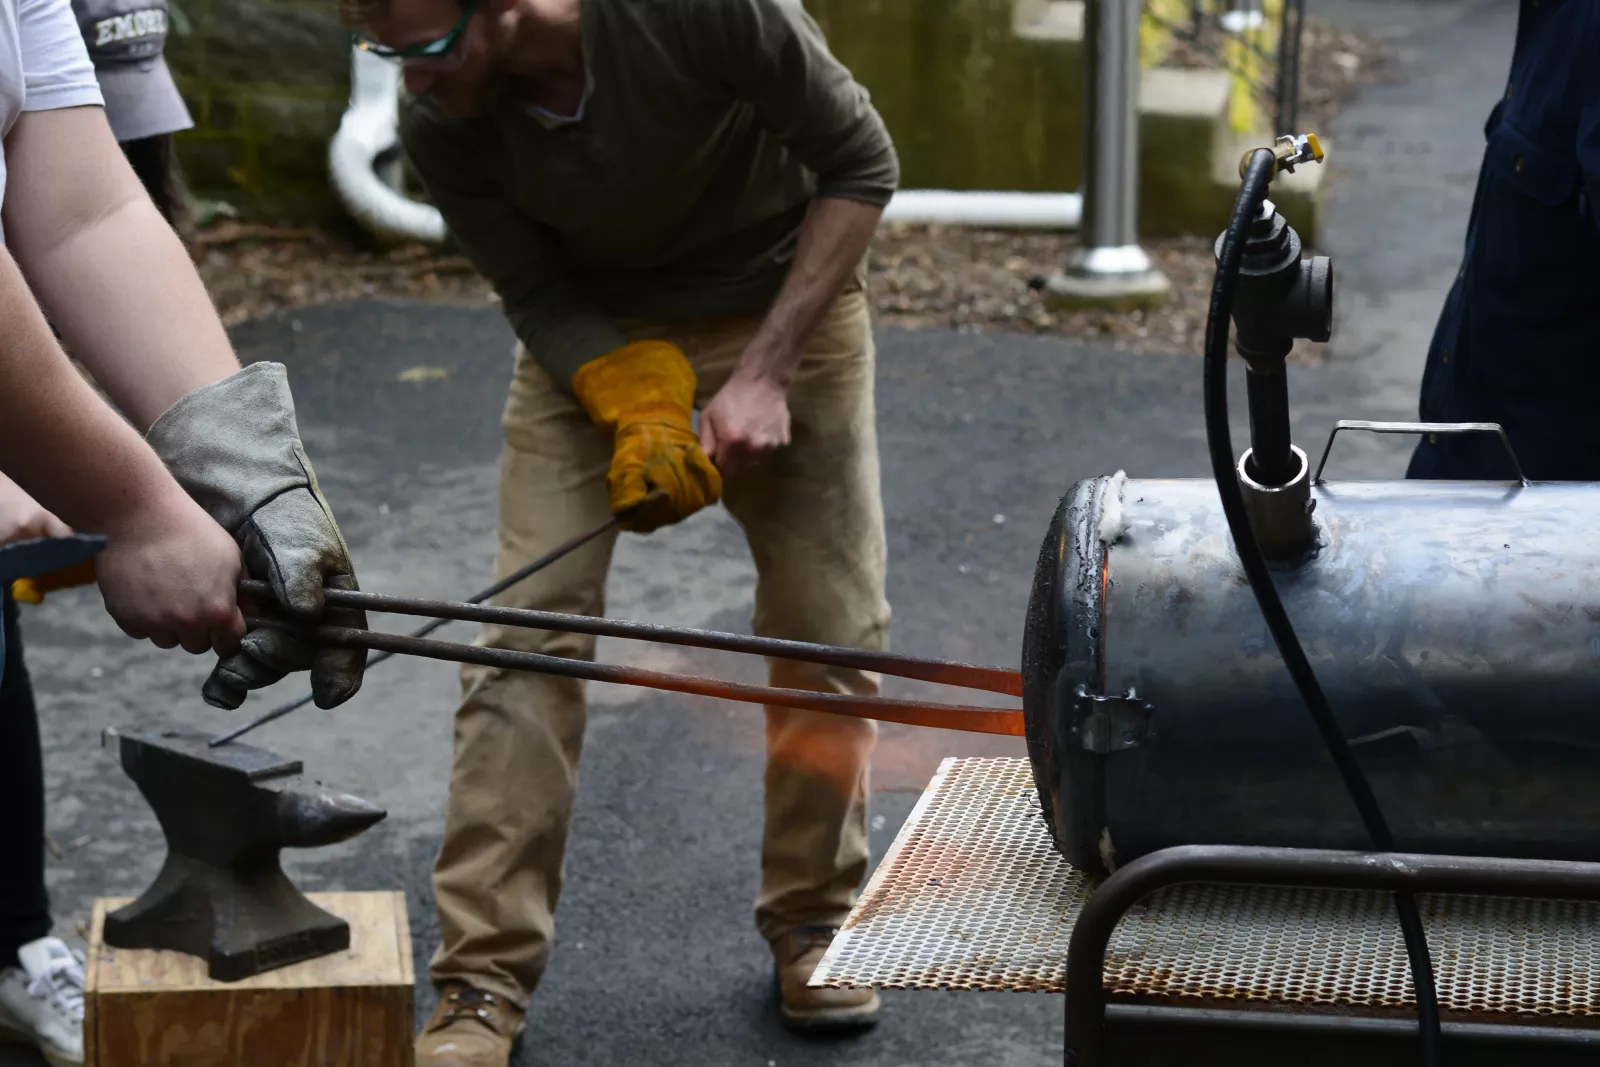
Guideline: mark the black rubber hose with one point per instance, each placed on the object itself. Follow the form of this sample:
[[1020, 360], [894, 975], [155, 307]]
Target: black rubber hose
[[1219, 442]]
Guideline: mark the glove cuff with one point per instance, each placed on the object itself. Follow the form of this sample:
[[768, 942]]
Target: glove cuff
[[233, 445], [645, 381]]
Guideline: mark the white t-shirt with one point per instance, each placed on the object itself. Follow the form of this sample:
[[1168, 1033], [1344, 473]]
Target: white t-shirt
[[44, 64]]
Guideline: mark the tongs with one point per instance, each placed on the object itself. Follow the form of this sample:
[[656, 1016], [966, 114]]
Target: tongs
[[972, 719]]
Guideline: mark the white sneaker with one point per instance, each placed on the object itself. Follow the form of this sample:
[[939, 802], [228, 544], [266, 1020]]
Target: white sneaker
[[41, 1001]]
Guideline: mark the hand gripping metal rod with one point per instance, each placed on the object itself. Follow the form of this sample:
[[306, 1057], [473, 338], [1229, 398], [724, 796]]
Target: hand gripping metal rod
[[497, 588], [1004, 721]]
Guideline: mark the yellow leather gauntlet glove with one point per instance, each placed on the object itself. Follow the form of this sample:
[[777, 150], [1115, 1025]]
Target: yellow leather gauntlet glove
[[644, 394]]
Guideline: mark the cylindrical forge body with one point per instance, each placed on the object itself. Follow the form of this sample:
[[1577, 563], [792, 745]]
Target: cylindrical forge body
[[1455, 628]]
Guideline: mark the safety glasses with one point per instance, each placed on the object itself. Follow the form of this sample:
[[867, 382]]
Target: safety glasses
[[440, 51]]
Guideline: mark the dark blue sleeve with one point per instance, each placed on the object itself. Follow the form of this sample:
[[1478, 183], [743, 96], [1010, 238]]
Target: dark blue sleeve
[[1589, 158], [1589, 117]]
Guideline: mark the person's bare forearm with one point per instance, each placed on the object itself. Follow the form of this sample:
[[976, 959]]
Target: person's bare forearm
[[59, 441], [833, 238], [111, 274], [149, 335]]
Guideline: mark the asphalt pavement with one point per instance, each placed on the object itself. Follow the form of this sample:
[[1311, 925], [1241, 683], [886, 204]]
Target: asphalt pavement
[[657, 960]]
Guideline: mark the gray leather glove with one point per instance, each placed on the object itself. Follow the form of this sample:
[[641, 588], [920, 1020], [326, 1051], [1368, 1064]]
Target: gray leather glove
[[234, 446]]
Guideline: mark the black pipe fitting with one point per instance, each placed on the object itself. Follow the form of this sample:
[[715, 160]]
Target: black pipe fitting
[[1281, 296]]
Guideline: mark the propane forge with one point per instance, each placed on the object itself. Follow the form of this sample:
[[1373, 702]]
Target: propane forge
[[1443, 637], [1452, 626]]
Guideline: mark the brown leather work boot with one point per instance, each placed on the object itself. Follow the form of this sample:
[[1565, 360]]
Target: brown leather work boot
[[796, 955], [469, 1028]]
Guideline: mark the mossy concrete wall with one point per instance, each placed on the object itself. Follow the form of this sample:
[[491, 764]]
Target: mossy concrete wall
[[978, 94], [971, 102], [267, 82], [988, 94]]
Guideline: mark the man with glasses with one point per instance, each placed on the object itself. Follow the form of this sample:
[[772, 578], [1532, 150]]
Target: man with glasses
[[673, 200]]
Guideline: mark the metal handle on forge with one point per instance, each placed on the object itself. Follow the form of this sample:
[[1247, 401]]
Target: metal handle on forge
[[1419, 428]]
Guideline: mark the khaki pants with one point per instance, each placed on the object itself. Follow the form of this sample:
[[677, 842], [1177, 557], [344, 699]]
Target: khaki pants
[[813, 517]]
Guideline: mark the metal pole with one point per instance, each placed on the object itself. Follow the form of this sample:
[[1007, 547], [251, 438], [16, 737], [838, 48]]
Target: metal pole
[[1291, 40], [1110, 268], [1112, 164]]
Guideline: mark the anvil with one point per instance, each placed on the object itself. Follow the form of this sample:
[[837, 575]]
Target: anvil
[[226, 813]]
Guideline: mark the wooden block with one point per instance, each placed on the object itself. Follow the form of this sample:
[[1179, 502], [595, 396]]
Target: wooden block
[[352, 1009]]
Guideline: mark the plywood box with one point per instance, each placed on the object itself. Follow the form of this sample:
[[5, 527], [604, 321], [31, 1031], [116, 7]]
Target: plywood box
[[352, 1009]]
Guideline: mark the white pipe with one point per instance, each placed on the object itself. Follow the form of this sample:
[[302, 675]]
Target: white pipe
[[369, 127], [1042, 211]]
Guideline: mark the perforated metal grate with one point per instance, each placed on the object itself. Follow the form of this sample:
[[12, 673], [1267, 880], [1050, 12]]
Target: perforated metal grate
[[972, 895]]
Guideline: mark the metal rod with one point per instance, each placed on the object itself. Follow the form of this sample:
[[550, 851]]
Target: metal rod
[[496, 589], [943, 672], [1003, 721], [1401, 873]]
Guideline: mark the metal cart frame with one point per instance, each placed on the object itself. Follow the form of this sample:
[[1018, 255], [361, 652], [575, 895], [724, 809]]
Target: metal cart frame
[[1099, 1034], [1225, 956]]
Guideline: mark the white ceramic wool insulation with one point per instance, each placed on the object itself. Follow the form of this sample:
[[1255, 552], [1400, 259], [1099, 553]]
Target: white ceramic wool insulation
[[1108, 855], [1112, 524]]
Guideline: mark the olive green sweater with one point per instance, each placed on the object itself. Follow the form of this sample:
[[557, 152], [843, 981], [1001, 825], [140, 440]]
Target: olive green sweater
[[676, 192]]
